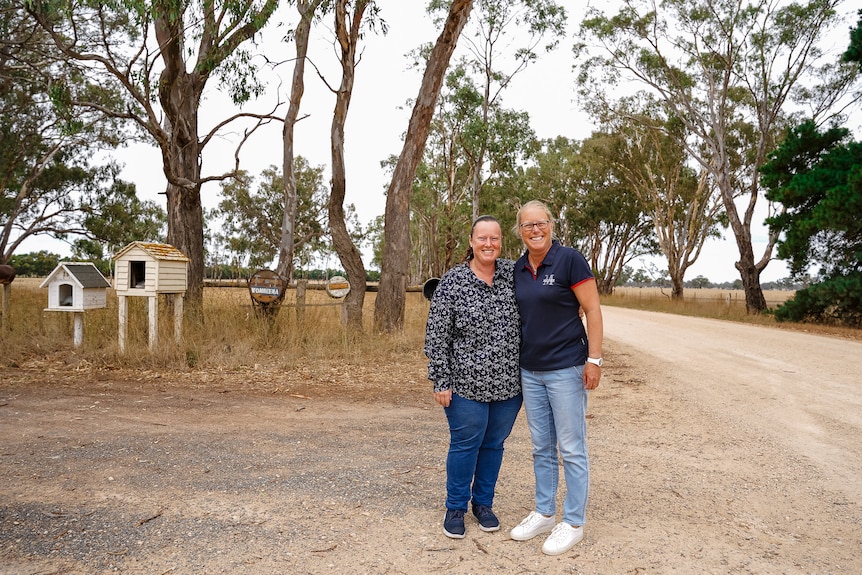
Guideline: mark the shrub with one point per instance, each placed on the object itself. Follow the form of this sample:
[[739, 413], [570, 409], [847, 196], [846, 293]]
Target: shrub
[[836, 301]]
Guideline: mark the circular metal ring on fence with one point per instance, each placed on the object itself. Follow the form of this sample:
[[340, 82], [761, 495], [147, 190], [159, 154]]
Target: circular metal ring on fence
[[428, 288], [266, 287], [337, 287]]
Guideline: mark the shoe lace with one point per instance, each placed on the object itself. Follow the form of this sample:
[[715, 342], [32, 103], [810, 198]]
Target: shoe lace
[[533, 519], [558, 532]]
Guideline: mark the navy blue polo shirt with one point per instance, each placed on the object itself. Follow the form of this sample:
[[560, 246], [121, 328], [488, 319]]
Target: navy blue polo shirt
[[552, 333]]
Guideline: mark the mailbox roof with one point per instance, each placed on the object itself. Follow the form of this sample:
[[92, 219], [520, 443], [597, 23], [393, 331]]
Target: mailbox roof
[[156, 251], [84, 273]]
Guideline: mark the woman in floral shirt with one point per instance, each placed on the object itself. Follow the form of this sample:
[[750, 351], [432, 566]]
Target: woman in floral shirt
[[472, 341]]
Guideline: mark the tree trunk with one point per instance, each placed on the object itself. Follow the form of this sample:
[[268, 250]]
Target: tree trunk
[[179, 96], [391, 295], [749, 273], [677, 286], [349, 255], [287, 245]]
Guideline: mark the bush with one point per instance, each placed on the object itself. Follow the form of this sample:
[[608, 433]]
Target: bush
[[836, 301]]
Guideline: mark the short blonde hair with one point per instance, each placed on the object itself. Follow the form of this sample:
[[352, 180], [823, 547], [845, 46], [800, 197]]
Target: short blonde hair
[[538, 204]]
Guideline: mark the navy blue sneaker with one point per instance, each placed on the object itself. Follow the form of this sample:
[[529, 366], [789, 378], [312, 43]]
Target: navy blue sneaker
[[453, 524], [487, 520]]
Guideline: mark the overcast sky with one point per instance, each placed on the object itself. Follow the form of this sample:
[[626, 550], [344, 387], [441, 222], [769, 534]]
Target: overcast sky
[[377, 118]]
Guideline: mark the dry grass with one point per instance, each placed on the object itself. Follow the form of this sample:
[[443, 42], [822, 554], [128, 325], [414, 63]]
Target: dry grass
[[232, 335], [718, 304]]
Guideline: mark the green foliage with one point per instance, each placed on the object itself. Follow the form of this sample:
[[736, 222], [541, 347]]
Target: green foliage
[[253, 215], [834, 300], [116, 216], [817, 177], [732, 73], [48, 170], [470, 141], [854, 50], [34, 264]]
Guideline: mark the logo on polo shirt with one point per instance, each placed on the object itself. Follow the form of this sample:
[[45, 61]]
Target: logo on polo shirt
[[549, 280]]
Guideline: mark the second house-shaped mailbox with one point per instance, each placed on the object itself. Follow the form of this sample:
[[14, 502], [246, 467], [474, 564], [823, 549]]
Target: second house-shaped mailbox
[[146, 269]]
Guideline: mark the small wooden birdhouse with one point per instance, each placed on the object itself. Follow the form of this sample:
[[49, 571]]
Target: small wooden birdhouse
[[146, 269], [76, 286]]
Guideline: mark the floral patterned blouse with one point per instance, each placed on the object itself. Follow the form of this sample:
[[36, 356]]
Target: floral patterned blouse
[[473, 335]]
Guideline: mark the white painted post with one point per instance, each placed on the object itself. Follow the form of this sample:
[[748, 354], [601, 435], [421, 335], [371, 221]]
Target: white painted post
[[154, 321], [78, 328], [123, 321], [178, 317]]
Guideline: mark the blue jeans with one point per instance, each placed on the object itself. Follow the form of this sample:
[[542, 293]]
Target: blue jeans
[[477, 430], [556, 407]]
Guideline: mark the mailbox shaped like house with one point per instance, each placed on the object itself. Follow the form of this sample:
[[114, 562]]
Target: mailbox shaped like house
[[148, 269], [76, 286]]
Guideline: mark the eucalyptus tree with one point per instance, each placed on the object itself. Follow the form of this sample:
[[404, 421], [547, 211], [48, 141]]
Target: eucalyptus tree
[[252, 211], [501, 42], [392, 292], [349, 27], [609, 223], [681, 201], [162, 56], [729, 71], [309, 11], [47, 143], [443, 199], [596, 210]]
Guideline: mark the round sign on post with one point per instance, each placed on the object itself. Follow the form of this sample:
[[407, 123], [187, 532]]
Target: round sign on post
[[337, 287], [266, 288]]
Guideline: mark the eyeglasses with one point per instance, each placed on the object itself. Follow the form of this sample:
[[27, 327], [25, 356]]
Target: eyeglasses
[[492, 239], [542, 225]]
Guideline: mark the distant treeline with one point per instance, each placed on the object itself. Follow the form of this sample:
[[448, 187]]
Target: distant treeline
[[40, 264]]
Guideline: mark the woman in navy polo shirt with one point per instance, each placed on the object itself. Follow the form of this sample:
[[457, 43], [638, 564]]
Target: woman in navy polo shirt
[[472, 340], [560, 362]]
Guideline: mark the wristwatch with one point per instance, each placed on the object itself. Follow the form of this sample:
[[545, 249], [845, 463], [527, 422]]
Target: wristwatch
[[597, 361]]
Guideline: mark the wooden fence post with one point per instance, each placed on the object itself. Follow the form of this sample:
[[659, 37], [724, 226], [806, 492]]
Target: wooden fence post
[[5, 296], [301, 286]]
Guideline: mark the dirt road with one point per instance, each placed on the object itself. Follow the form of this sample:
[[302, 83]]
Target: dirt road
[[715, 448], [802, 390]]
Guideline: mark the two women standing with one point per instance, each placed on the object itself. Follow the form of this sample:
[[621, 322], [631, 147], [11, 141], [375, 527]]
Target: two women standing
[[479, 326]]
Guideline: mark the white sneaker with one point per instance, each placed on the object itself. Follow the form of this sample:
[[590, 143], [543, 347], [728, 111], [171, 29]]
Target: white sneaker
[[532, 525], [562, 538]]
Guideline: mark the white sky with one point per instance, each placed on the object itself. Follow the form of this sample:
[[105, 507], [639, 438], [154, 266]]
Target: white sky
[[377, 118]]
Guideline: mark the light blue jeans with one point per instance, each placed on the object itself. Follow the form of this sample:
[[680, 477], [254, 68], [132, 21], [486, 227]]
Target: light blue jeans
[[556, 406]]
